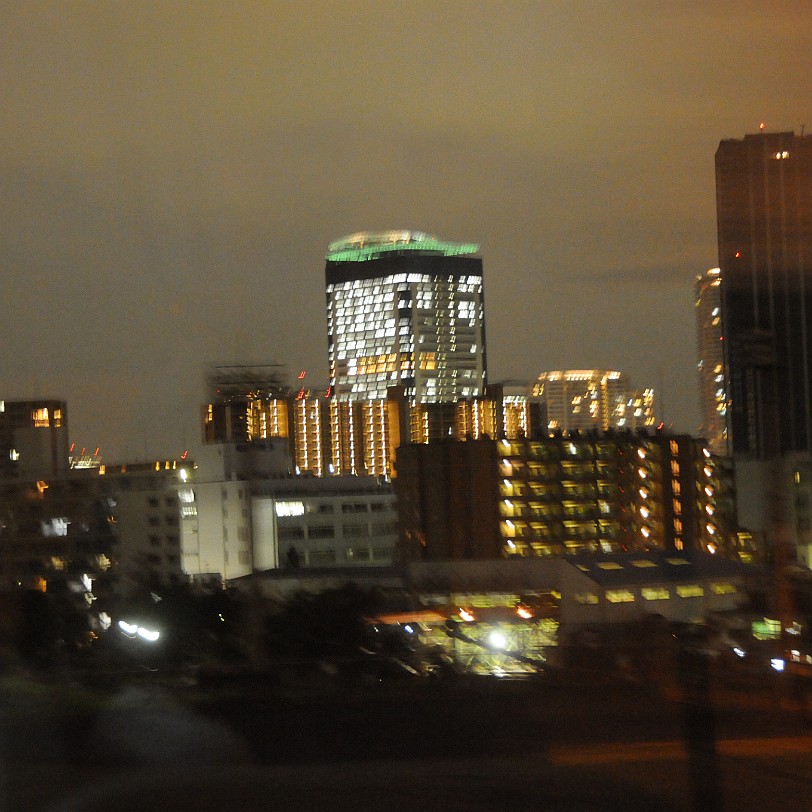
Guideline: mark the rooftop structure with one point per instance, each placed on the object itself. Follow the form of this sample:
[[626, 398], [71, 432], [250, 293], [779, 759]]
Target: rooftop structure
[[366, 245]]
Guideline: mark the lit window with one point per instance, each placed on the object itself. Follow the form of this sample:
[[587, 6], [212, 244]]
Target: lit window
[[289, 508], [656, 593], [589, 598], [690, 591], [619, 596]]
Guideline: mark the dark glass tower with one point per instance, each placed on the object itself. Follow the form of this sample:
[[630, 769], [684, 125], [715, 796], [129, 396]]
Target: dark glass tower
[[764, 220]]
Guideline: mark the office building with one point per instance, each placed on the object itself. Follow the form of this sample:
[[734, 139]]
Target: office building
[[405, 309], [711, 362], [764, 219], [301, 523], [584, 399]]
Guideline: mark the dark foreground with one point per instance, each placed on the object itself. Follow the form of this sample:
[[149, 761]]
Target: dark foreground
[[468, 745]]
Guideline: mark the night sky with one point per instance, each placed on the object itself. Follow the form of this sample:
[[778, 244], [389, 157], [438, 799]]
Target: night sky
[[173, 172]]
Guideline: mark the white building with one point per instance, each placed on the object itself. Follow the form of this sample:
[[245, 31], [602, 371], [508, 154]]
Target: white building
[[247, 513]]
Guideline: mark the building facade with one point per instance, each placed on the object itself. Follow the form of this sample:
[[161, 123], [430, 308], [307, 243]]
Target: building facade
[[243, 511], [764, 219], [566, 494], [405, 309], [148, 502], [711, 361]]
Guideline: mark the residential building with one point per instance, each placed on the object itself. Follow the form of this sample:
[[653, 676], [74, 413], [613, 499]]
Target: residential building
[[584, 399], [563, 494]]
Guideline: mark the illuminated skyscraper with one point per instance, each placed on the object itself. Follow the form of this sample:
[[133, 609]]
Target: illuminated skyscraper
[[764, 219], [711, 363], [405, 309]]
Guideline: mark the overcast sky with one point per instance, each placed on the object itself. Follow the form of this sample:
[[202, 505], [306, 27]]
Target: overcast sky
[[173, 172]]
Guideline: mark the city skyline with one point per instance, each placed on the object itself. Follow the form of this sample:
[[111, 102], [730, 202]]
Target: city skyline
[[172, 175]]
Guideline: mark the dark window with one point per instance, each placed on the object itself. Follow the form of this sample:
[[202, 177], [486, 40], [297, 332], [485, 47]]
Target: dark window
[[320, 557]]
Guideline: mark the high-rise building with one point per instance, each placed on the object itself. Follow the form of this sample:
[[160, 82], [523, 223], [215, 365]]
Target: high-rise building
[[711, 363], [764, 219], [584, 399], [405, 309]]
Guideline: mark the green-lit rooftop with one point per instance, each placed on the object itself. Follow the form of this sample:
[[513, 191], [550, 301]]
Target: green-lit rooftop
[[370, 244]]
